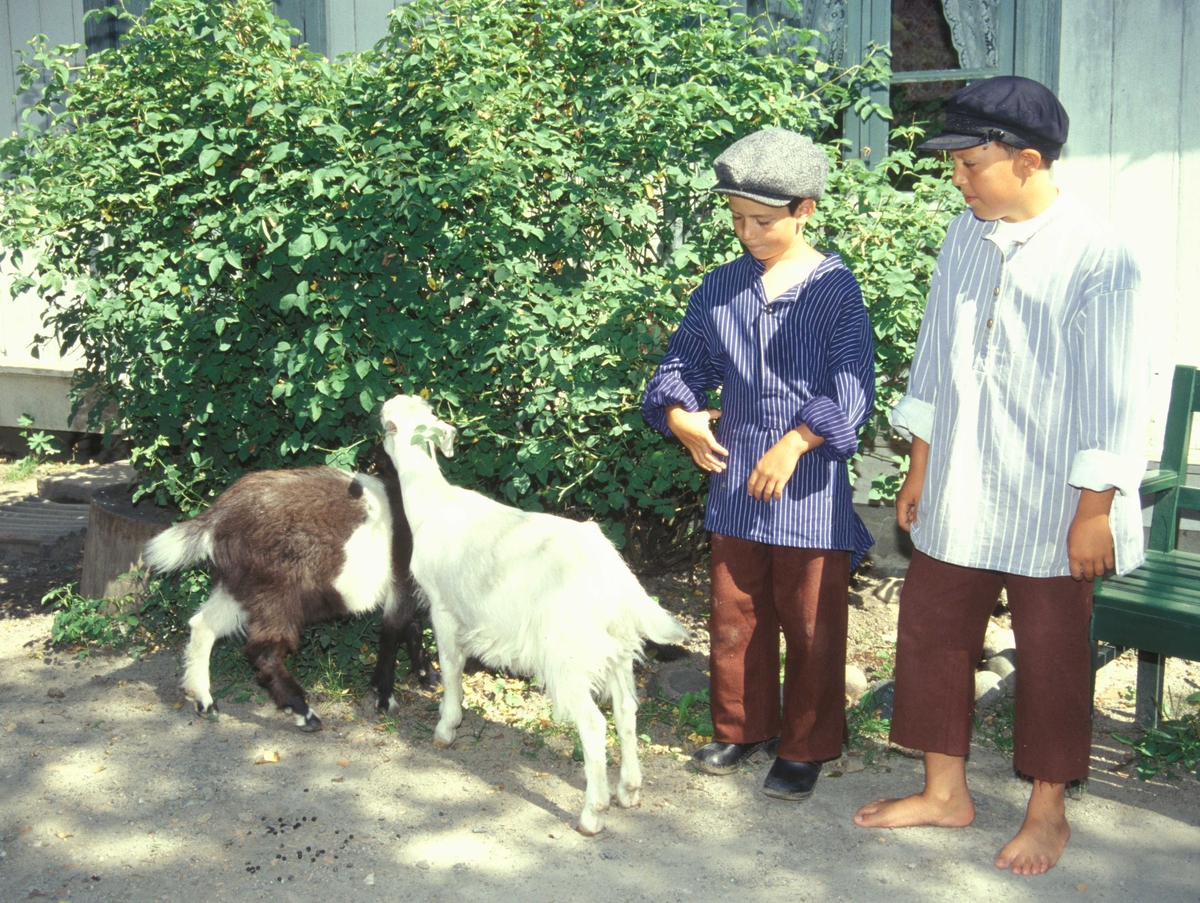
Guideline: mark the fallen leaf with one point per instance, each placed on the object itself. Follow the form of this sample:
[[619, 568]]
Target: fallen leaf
[[1081, 887], [55, 693], [98, 769], [178, 705], [541, 774], [203, 818], [266, 758], [63, 835], [338, 780], [25, 830], [344, 763], [10, 727]]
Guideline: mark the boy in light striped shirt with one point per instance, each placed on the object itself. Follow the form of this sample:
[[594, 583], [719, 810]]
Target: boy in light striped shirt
[[1026, 410]]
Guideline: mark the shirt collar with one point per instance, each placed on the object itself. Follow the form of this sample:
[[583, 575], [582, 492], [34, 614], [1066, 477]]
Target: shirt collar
[[1006, 235]]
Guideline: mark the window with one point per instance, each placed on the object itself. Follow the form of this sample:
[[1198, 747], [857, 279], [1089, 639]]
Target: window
[[937, 46]]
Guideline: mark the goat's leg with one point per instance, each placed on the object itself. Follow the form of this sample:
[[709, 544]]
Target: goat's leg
[[219, 616], [383, 681], [624, 705], [267, 655], [452, 657], [418, 656], [590, 723]]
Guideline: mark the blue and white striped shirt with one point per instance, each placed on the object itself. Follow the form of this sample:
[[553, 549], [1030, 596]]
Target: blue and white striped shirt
[[1030, 382], [804, 357]]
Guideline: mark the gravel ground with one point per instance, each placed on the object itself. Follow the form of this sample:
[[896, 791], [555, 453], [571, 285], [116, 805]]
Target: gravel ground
[[111, 789]]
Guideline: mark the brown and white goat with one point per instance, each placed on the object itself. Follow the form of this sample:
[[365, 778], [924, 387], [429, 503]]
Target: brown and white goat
[[287, 548]]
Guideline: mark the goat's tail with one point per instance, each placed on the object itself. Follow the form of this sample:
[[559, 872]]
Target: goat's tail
[[179, 546], [658, 626]]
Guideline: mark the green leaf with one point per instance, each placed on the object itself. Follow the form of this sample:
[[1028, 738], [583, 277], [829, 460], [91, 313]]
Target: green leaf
[[208, 158]]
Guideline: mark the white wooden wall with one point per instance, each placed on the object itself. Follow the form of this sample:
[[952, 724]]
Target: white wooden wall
[[1129, 77]]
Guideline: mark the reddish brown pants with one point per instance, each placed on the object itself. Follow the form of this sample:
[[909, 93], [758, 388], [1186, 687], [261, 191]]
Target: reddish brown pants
[[756, 590], [944, 612]]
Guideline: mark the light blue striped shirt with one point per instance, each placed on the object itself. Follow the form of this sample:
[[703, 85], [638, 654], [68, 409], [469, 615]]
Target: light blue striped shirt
[[805, 357], [1030, 382]]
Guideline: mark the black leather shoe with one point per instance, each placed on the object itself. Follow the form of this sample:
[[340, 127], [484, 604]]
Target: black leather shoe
[[791, 780], [724, 758]]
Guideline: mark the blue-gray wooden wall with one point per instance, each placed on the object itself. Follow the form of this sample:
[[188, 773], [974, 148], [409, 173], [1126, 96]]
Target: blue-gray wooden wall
[[1129, 76]]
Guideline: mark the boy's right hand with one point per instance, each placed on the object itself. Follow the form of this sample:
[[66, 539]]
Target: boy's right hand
[[692, 430], [914, 482]]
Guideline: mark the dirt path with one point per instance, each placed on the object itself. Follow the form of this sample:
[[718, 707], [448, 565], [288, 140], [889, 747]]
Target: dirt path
[[112, 790]]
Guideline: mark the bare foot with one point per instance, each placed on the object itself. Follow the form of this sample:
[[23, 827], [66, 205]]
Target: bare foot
[[1043, 835], [953, 811]]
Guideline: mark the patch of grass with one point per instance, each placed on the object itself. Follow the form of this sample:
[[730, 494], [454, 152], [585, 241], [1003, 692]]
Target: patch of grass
[[1172, 746], [868, 728], [995, 727]]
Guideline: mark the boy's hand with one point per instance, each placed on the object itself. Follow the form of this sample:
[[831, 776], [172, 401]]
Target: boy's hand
[[776, 467], [691, 428], [1089, 541], [914, 482]]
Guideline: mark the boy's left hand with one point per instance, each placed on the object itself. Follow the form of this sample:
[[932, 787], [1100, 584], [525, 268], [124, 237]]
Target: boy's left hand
[[1089, 540], [776, 467]]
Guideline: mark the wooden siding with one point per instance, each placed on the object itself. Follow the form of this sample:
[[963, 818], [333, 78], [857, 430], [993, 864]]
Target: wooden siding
[[1134, 152]]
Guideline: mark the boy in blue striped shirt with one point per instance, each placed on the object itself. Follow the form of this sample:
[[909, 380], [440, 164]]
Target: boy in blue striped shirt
[[783, 331]]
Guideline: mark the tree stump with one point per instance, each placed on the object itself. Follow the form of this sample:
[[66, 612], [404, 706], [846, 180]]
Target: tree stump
[[116, 531]]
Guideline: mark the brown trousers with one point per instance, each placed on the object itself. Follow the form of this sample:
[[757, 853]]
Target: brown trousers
[[756, 590], [944, 612]]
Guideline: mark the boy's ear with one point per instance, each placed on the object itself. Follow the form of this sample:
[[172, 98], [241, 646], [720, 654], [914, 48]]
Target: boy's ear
[[1030, 160], [807, 207]]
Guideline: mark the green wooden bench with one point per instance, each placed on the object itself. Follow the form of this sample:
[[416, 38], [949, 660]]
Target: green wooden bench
[[1155, 609]]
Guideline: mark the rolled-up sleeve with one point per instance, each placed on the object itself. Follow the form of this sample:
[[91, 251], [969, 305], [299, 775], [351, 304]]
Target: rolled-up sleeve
[[913, 415], [1110, 344], [686, 371], [837, 418]]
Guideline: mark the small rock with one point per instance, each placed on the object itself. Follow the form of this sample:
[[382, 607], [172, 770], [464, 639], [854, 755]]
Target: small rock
[[1010, 683], [370, 879], [673, 683], [997, 640], [883, 694], [888, 590], [854, 764], [1002, 664], [989, 689], [423, 865], [856, 683], [55, 693]]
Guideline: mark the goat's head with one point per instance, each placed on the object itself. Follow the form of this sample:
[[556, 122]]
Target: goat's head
[[409, 420]]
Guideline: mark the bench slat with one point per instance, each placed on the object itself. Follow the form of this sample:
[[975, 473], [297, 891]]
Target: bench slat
[[1157, 480]]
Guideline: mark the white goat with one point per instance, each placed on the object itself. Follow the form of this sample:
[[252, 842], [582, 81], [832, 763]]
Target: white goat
[[532, 593]]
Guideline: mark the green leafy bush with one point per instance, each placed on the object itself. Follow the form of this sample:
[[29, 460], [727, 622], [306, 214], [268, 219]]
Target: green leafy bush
[[503, 205]]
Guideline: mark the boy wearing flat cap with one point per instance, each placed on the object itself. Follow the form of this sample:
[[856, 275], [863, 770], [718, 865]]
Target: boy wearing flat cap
[[1026, 409], [783, 331]]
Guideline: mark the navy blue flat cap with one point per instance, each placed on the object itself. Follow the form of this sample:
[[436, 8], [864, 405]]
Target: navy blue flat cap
[[1008, 108]]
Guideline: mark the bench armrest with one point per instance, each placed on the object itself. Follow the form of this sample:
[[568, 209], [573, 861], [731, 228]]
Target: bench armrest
[[1157, 480]]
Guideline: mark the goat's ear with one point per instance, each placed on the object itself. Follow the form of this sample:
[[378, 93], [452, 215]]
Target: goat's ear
[[446, 439]]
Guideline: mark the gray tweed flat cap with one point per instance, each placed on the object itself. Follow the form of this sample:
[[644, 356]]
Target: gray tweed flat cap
[[772, 166]]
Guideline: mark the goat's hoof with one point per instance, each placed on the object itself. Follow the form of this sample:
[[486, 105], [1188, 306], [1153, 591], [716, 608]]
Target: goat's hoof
[[209, 710], [429, 680], [387, 705], [309, 723], [629, 799], [590, 823], [443, 744]]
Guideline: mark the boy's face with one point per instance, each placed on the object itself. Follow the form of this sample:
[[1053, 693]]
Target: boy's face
[[992, 182], [767, 232]]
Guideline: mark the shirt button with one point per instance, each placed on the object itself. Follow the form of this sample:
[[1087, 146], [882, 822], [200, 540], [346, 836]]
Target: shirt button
[[996, 291]]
